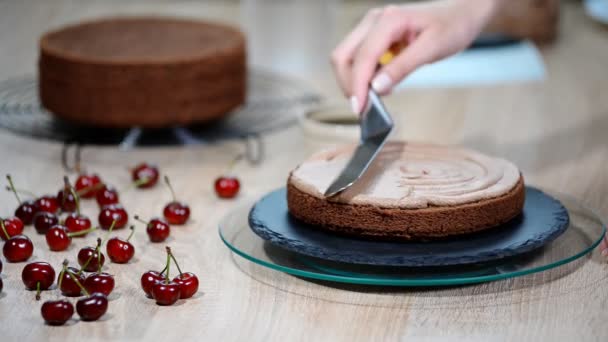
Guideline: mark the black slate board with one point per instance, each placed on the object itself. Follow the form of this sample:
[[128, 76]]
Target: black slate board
[[543, 219]]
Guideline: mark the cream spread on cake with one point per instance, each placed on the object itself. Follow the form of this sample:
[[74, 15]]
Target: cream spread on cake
[[411, 175]]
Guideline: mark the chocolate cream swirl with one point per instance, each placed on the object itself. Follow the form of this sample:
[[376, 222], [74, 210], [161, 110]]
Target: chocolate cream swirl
[[411, 175]]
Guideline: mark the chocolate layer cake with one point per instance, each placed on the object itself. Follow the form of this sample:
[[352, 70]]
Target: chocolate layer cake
[[150, 72], [411, 191]]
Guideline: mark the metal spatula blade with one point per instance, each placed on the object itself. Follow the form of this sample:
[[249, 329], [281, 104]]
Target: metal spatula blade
[[376, 125]]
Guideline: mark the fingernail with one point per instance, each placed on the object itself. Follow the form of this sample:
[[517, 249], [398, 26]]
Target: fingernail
[[354, 103], [605, 253], [382, 83]]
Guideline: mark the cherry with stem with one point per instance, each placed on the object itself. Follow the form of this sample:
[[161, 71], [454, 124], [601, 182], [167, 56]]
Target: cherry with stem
[[13, 226], [157, 229], [121, 251], [91, 258], [26, 209], [76, 222], [188, 281], [38, 276], [66, 283], [92, 306], [65, 197], [166, 292], [87, 185], [16, 248], [59, 238], [144, 175], [175, 212], [227, 186]]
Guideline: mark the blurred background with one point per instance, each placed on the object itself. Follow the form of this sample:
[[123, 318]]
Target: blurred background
[[553, 50]]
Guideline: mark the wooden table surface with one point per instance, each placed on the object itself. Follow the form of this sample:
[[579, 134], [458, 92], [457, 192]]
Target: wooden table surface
[[556, 131]]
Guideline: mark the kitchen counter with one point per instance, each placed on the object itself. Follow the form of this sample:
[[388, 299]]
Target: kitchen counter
[[556, 131]]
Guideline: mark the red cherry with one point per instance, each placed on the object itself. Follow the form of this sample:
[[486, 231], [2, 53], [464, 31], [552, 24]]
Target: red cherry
[[157, 229], [87, 185], [13, 226], [26, 209], [165, 293], [38, 276], [18, 248], [106, 196], [227, 187], [0, 266], [1, 285], [57, 312], [92, 307], [145, 175], [99, 283], [111, 213], [59, 238], [66, 201], [26, 212], [47, 204], [120, 251], [43, 221], [148, 280], [188, 284], [68, 286], [176, 213], [77, 223], [91, 259]]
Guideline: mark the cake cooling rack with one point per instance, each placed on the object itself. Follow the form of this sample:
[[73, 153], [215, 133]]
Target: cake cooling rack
[[273, 102]]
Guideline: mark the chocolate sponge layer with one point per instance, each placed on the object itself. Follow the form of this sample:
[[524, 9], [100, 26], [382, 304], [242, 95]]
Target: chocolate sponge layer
[[405, 224]]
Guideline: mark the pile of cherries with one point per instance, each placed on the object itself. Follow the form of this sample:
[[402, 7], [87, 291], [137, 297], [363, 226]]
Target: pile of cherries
[[71, 283], [158, 285], [59, 218]]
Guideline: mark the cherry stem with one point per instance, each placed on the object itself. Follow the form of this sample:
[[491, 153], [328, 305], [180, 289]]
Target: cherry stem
[[4, 229], [109, 231], [22, 191], [86, 264], [73, 192], [233, 163], [174, 260], [168, 265], [98, 250], [141, 181], [75, 279], [38, 291], [63, 269], [82, 232], [170, 188], [12, 187], [132, 232], [137, 218]]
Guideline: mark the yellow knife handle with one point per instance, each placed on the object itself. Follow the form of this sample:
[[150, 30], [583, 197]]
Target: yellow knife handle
[[393, 51]]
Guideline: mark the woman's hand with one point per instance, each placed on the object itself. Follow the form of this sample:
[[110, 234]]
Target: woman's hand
[[431, 30]]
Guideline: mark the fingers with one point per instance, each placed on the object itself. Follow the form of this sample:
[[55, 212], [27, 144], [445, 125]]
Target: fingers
[[422, 50], [604, 246], [387, 29], [342, 56]]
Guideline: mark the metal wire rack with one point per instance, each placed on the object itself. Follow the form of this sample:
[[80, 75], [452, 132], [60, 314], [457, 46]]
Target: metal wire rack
[[273, 102]]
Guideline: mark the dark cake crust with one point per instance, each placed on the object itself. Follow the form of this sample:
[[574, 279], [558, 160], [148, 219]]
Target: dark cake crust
[[149, 72], [405, 224]]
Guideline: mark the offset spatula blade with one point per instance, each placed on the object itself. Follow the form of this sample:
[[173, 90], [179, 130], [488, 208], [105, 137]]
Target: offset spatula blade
[[376, 125]]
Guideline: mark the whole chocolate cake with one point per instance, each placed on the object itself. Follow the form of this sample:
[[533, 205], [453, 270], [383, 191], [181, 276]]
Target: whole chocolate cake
[[149, 72]]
